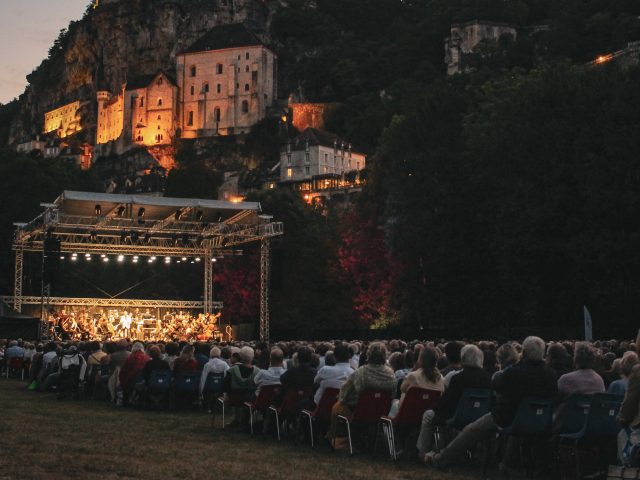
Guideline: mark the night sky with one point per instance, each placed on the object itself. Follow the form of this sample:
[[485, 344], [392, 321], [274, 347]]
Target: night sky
[[27, 30]]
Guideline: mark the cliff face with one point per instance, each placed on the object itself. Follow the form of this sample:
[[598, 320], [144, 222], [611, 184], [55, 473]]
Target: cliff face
[[120, 40]]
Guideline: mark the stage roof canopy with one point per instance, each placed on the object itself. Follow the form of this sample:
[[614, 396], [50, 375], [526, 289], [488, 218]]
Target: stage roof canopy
[[138, 224]]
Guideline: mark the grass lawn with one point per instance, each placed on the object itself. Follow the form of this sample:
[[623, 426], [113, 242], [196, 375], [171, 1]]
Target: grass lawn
[[44, 438]]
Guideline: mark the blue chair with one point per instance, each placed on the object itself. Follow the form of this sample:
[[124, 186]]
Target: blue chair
[[600, 427], [158, 387], [533, 418], [187, 383], [213, 388], [572, 414], [474, 403]]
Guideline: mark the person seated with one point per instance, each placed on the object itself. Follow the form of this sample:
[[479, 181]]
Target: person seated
[[334, 376], [375, 374], [472, 375], [240, 379], [201, 354], [214, 365], [583, 380], [155, 363], [629, 418], [528, 378], [558, 359], [186, 362], [627, 364], [507, 357], [71, 371], [171, 353], [131, 371], [271, 375], [300, 376], [14, 350]]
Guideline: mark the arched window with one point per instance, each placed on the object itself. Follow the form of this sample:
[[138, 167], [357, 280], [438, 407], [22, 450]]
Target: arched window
[[218, 88], [159, 81], [246, 87], [159, 102], [159, 117], [193, 70], [219, 68], [245, 106], [216, 114], [206, 88], [190, 119], [246, 55], [193, 90]]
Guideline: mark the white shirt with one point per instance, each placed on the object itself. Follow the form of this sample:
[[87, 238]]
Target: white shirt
[[270, 376], [214, 365], [49, 358], [331, 377]]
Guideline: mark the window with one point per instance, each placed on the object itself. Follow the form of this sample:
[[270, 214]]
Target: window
[[238, 57], [246, 55], [190, 120], [237, 86], [159, 102], [142, 101], [159, 117], [216, 114], [193, 70], [206, 88], [219, 69], [246, 69], [306, 170], [245, 106], [218, 88], [289, 172], [193, 90], [246, 87], [159, 81]]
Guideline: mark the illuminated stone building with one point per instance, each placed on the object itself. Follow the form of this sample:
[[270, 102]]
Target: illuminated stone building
[[64, 121], [227, 82], [110, 116], [308, 115], [466, 36], [315, 152]]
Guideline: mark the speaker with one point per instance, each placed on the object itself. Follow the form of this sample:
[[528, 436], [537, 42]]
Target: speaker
[[51, 260]]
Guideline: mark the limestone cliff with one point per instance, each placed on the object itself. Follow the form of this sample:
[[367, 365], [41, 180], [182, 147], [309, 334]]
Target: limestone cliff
[[119, 40]]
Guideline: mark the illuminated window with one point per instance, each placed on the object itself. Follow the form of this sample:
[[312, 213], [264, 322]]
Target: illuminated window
[[190, 119], [193, 71], [219, 68], [289, 172], [245, 106]]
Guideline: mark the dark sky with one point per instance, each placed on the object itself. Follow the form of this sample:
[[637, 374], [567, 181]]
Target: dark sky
[[27, 30]]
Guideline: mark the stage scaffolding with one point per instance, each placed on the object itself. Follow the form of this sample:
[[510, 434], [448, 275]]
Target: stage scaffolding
[[100, 223]]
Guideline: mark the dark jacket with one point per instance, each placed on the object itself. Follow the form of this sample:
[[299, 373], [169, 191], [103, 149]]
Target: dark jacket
[[469, 377], [528, 378], [154, 364], [298, 377]]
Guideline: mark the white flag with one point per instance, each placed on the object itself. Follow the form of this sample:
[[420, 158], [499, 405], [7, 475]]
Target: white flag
[[588, 325]]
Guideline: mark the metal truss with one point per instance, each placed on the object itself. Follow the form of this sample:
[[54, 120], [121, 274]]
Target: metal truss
[[115, 302], [238, 234], [208, 284], [265, 276], [17, 280]]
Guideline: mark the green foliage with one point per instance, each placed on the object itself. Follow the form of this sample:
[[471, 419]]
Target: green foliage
[[195, 180]]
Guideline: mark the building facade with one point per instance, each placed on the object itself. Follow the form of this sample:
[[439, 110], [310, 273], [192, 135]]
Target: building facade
[[226, 83], [64, 121], [315, 152], [465, 37], [110, 116]]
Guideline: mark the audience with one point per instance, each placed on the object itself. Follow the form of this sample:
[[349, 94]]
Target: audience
[[584, 379], [214, 365]]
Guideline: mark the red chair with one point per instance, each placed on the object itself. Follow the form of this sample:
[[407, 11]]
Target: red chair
[[265, 398], [236, 398], [15, 364], [322, 411], [372, 404], [291, 400], [416, 402]]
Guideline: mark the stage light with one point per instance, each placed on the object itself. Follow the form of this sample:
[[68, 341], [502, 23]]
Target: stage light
[[135, 257], [61, 258], [197, 259], [135, 260], [214, 259], [153, 257], [149, 261], [121, 258], [98, 210], [73, 259], [167, 260], [178, 261], [93, 236], [121, 210], [192, 261], [105, 259], [88, 259], [102, 255], [87, 254], [184, 259]]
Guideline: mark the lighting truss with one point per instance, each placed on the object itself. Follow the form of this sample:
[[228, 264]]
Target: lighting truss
[[115, 302]]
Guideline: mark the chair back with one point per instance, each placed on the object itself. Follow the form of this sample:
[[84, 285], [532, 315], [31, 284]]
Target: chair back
[[292, 399], [188, 382], [265, 397], [601, 420], [416, 401], [533, 417], [16, 363], [573, 414], [474, 403], [159, 381], [372, 404], [214, 384], [236, 398], [326, 403]]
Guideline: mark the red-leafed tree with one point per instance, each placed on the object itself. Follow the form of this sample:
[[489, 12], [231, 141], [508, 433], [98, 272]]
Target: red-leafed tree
[[237, 279], [366, 267]]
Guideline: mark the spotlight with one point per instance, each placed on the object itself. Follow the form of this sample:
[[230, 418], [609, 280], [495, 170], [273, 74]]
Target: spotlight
[[88, 258], [197, 259], [192, 261], [214, 259], [98, 210], [87, 254], [73, 259], [61, 257], [153, 257], [184, 259], [135, 260], [121, 210], [149, 261], [135, 257], [120, 258], [178, 261], [167, 260], [93, 236], [105, 259], [102, 256], [74, 254]]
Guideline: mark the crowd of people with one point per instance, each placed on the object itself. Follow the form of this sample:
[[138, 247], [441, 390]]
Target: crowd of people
[[513, 371]]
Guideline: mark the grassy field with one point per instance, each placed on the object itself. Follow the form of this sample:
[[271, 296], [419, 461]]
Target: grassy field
[[44, 438]]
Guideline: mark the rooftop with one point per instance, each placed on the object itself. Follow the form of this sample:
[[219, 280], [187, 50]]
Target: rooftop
[[225, 36], [314, 137]]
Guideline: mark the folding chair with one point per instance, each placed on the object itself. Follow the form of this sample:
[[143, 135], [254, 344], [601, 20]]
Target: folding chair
[[572, 414], [263, 401], [159, 385], [600, 427], [416, 402], [213, 388], [322, 412], [287, 409], [372, 404], [15, 365], [187, 385], [235, 398]]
